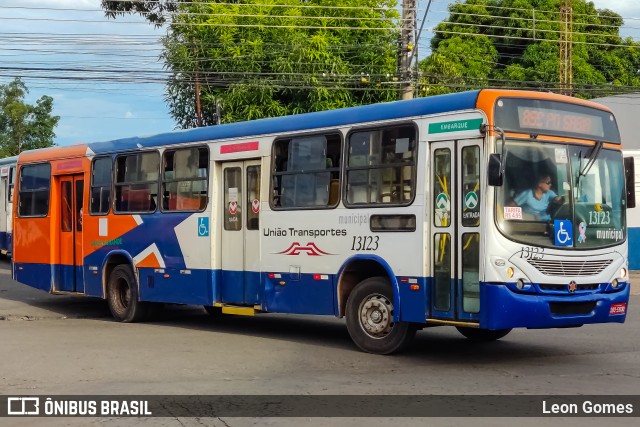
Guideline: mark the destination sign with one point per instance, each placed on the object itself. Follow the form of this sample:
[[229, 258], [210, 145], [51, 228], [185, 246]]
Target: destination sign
[[554, 120], [543, 117]]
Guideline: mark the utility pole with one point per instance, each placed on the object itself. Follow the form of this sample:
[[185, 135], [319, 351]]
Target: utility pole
[[566, 47], [405, 48]]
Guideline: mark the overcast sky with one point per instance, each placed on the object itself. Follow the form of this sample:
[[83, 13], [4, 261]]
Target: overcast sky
[[40, 39]]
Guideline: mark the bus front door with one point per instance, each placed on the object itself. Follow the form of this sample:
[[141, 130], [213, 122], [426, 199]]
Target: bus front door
[[240, 232], [455, 239], [71, 192]]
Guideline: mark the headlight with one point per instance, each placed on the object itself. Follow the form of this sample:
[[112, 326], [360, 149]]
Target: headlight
[[614, 284], [520, 284], [623, 273]]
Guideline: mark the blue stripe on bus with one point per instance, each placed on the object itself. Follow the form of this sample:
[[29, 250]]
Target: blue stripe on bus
[[300, 122], [501, 306], [305, 295], [179, 288], [634, 248], [35, 275], [414, 302], [64, 278]]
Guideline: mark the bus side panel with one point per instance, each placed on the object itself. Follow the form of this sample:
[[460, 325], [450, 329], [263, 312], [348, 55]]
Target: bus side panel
[[634, 244], [633, 218], [303, 294], [172, 261], [32, 256], [413, 302], [175, 287]]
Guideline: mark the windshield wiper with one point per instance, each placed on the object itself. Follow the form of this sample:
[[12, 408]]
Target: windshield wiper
[[593, 156]]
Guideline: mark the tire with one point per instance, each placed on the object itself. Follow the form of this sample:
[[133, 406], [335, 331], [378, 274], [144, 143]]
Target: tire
[[122, 296], [370, 318], [482, 335]]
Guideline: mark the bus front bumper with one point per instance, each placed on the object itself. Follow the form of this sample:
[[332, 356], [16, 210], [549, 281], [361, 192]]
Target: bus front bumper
[[502, 308]]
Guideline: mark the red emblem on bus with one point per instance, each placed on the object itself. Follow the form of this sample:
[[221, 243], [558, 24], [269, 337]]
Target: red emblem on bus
[[572, 286], [310, 249]]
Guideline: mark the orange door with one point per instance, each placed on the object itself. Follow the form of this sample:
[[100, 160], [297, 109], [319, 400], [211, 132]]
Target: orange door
[[71, 202]]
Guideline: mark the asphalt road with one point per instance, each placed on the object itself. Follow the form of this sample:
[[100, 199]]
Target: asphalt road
[[70, 345]]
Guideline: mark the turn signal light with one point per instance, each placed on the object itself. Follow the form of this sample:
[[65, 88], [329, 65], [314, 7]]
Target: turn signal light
[[510, 272]]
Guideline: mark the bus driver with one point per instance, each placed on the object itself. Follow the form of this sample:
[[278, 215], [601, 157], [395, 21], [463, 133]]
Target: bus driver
[[536, 201]]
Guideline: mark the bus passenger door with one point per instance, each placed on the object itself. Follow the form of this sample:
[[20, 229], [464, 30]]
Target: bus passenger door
[[70, 228], [5, 214], [455, 225], [240, 232]]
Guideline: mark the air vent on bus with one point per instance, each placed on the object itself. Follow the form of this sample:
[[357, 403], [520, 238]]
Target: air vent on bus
[[571, 308], [570, 268]]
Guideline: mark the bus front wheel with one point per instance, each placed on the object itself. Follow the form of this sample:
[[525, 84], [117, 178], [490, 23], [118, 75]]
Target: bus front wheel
[[482, 335], [370, 318], [122, 296]]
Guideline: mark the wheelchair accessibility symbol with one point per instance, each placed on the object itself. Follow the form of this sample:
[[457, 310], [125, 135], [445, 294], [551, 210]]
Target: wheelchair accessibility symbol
[[203, 227], [562, 230]]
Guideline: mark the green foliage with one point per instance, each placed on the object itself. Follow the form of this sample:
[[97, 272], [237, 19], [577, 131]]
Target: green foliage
[[515, 44], [265, 58], [23, 126]]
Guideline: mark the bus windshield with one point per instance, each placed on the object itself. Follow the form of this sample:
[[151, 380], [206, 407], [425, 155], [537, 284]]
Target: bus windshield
[[553, 187]]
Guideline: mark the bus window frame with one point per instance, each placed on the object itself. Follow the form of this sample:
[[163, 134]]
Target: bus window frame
[[114, 184], [273, 166], [414, 174], [11, 182], [111, 189], [19, 179], [162, 181]]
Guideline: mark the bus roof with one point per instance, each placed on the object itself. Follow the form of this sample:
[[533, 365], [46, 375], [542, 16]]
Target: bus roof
[[8, 160], [300, 122]]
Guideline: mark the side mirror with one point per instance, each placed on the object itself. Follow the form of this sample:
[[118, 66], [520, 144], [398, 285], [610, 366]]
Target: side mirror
[[630, 177], [495, 170]]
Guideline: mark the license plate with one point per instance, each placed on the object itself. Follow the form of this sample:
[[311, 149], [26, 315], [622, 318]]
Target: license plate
[[618, 308]]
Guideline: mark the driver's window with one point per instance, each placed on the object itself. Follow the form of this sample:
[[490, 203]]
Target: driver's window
[[536, 179]]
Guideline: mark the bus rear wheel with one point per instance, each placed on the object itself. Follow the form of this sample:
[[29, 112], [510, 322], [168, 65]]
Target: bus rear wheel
[[122, 296], [482, 335], [370, 318]]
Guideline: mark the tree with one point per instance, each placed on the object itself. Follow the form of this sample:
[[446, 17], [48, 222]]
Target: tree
[[266, 58], [23, 126], [515, 44]]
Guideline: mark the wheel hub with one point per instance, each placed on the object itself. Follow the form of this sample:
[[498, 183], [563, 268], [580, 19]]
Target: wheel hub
[[376, 315]]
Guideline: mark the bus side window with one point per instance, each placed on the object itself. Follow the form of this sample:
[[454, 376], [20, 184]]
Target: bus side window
[[306, 172], [12, 179], [185, 179], [101, 179], [35, 183], [137, 182], [381, 166]]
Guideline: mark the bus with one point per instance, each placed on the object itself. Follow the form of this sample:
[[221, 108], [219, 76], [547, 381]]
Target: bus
[[7, 180], [395, 216], [633, 216]]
